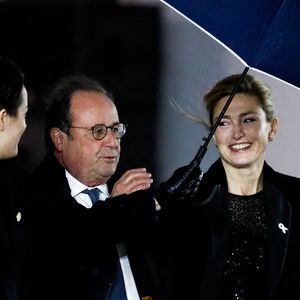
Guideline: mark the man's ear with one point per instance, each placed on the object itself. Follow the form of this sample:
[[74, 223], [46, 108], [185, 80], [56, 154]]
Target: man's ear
[[3, 116], [58, 138]]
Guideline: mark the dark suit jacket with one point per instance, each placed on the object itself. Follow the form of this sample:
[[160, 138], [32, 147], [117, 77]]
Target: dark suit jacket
[[14, 232], [198, 234], [75, 255]]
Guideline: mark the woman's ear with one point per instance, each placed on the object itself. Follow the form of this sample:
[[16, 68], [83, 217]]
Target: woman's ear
[[273, 129], [58, 138], [3, 116]]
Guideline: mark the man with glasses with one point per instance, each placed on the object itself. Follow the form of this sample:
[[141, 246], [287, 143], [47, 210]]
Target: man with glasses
[[92, 243], [89, 240]]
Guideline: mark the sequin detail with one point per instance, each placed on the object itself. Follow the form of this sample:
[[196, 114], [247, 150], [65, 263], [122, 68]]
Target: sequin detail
[[244, 267]]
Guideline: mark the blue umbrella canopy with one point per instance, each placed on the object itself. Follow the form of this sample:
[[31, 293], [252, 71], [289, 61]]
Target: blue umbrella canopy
[[265, 34]]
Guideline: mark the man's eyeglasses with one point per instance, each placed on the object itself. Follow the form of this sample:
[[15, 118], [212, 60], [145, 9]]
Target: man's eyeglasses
[[99, 131]]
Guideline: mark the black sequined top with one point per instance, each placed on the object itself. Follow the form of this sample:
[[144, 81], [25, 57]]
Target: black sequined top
[[243, 277]]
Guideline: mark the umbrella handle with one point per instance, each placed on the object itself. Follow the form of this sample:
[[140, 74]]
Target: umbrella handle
[[203, 148]]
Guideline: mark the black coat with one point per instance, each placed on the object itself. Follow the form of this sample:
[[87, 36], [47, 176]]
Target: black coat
[[75, 254], [15, 247], [198, 238]]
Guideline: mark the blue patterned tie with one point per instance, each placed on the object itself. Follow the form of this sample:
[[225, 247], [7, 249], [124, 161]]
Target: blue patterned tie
[[93, 193], [118, 291]]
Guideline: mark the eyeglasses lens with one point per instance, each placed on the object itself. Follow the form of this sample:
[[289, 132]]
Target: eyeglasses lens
[[100, 130]]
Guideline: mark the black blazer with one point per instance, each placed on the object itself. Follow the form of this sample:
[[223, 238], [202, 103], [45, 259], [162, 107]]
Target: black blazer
[[74, 250], [198, 231], [15, 247]]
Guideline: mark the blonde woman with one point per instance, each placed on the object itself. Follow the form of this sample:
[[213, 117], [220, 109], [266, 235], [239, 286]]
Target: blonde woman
[[238, 238]]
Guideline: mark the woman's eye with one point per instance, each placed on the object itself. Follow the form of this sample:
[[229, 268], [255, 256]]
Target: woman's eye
[[223, 123], [249, 120]]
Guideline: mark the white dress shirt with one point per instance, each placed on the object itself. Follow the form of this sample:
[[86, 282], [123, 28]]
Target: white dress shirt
[[84, 199]]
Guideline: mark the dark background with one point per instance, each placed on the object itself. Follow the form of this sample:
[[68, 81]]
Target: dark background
[[115, 44]]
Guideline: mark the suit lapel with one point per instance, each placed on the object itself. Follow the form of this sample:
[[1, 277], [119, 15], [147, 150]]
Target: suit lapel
[[217, 249], [278, 227]]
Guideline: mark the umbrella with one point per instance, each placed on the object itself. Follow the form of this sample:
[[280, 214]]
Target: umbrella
[[265, 34], [225, 38]]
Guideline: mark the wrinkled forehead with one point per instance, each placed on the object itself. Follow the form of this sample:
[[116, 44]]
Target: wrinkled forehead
[[94, 107]]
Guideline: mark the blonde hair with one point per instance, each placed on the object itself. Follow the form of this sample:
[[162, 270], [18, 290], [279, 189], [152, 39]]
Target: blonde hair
[[249, 86]]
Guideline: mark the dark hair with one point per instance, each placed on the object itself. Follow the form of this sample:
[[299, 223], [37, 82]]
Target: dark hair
[[58, 102], [250, 86], [11, 84]]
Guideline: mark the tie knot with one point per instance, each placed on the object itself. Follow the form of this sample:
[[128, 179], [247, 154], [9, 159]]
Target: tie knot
[[93, 193]]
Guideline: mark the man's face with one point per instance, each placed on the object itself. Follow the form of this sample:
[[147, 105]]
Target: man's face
[[91, 161]]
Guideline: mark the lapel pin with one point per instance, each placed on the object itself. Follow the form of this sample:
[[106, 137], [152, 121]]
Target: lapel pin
[[19, 216], [283, 228]]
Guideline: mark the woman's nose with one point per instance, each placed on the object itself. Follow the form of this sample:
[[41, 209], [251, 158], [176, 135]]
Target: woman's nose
[[237, 131]]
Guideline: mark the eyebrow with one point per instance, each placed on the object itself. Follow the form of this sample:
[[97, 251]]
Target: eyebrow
[[240, 115]]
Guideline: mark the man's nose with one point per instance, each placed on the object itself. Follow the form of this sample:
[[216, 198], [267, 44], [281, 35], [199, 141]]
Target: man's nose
[[111, 139]]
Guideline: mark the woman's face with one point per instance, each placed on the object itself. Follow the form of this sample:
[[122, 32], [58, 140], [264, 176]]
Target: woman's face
[[244, 133], [12, 128]]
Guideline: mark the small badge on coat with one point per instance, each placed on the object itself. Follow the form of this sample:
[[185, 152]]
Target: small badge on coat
[[19, 216], [283, 228]]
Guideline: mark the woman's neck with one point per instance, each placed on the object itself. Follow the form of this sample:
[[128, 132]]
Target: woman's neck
[[244, 181]]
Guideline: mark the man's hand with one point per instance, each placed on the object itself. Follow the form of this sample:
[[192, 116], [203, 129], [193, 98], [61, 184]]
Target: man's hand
[[131, 181]]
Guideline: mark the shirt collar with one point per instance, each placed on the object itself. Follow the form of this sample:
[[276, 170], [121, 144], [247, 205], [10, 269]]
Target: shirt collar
[[77, 187]]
